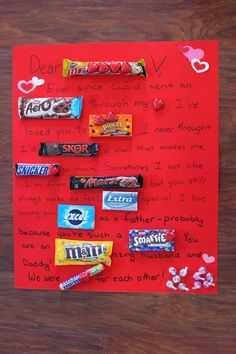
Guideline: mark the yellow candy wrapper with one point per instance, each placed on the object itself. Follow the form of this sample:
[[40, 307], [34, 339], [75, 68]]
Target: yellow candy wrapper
[[84, 68], [76, 252]]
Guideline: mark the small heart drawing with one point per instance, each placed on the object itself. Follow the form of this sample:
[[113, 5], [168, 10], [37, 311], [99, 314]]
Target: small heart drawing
[[208, 259], [26, 86], [201, 67], [29, 86], [36, 81]]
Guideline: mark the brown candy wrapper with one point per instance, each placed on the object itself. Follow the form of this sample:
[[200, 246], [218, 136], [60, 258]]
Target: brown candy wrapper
[[111, 182], [68, 149]]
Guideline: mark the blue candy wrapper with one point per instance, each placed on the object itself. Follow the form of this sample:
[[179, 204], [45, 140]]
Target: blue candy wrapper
[[120, 200], [76, 216], [152, 240]]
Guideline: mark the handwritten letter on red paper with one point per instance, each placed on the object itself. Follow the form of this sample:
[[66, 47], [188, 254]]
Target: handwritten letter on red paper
[[175, 149]]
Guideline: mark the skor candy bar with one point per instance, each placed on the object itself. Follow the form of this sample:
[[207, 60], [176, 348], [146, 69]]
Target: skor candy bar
[[120, 200], [83, 182], [29, 169], [76, 252], [68, 149], [116, 67], [76, 216], [82, 277], [152, 240], [50, 107], [115, 125]]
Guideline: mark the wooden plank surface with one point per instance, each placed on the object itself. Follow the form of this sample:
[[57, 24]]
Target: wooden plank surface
[[41, 322]]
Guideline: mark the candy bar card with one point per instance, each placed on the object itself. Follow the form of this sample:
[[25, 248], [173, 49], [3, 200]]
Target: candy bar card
[[166, 239]]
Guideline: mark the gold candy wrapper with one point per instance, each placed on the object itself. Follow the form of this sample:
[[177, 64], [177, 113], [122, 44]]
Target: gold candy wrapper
[[76, 252], [84, 68]]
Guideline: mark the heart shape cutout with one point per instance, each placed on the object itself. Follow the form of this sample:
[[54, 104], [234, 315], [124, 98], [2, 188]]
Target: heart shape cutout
[[199, 66], [36, 81], [208, 259], [26, 86], [192, 53]]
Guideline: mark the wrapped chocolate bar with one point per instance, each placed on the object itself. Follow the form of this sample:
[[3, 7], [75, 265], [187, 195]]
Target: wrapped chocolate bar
[[112, 124], [152, 240], [32, 169], [50, 107], [76, 252], [117, 67], [77, 182], [68, 149]]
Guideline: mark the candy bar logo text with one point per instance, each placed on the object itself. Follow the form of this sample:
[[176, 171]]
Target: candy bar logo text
[[78, 252], [119, 200], [150, 239], [112, 125], [75, 217], [76, 149], [32, 170], [37, 107], [124, 182]]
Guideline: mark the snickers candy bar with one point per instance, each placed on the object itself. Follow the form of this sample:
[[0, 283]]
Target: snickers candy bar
[[117, 67], [29, 169], [68, 149], [50, 108], [106, 182]]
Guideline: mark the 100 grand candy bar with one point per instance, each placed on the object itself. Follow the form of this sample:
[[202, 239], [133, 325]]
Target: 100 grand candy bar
[[83, 68], [50, 107], [79, 182]]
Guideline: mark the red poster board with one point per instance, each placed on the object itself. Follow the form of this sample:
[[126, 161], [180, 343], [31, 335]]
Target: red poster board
[[175, 149]]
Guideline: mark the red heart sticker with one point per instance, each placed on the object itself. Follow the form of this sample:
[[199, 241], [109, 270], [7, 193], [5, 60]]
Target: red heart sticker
[[126, 68], [111, 117], [115, 67], [92, 67], [99, 120], [103, 68], [170, 236], [158, 104]]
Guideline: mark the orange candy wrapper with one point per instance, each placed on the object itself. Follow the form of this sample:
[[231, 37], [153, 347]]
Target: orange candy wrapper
[[117, 125]]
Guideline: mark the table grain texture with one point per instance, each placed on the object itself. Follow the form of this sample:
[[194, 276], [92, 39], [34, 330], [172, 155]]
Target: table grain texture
[[43, 322]]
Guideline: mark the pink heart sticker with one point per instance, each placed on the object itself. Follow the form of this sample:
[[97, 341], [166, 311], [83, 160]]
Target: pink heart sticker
[[199, 66], [208, 259], [192, 53], [26, 86]]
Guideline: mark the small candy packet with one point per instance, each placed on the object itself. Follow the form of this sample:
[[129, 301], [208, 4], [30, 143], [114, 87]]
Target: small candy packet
[[152, 240], [76, 252], [117, 125]]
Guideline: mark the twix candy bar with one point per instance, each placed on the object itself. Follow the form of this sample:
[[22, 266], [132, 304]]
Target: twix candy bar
[[50, 107], [114, 67], [68, 149], [106, 182]]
